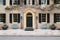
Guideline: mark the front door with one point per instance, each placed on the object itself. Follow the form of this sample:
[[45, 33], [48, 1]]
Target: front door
[[29, 20]]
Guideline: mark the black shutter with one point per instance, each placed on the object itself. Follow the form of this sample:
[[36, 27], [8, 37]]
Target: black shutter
[[33, 2], [18, 18], [55, 1], [39, 2], [10, 18], [39, 18], [10, 2], [24, 2], [48, 18], [4, 2], [3, 18], [18, 2], [55, 18], [48, 1]]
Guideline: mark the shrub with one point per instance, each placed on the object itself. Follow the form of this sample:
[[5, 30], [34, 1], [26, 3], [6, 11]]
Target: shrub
[[4, 27], [53, 27]]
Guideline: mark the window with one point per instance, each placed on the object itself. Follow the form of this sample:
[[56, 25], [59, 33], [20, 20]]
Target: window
[[42, 2], [44, 17], [3, 18], [16, 18], [2, 2], [14, 2], [56, 18], [56, 1]]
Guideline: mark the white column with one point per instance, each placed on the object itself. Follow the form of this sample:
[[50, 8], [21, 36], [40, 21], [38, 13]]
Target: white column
[[51, 18], [27, 2], [7, 2], [30, 2], [7, 19], [51, 2]]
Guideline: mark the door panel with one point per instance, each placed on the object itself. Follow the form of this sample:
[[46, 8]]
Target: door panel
[[29, 21]]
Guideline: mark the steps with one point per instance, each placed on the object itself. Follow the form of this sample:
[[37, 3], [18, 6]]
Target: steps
[[29, 29]]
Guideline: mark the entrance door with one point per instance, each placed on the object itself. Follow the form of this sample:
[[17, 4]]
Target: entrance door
[[29, 20]]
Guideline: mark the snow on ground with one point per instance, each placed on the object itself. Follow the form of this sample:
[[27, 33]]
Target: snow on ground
[[36, 32]]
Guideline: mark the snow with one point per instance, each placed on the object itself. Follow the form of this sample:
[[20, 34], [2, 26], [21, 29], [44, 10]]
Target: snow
[[36, 32]]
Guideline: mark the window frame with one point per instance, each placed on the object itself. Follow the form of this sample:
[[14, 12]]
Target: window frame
[[12, 19], [56, 19], [47, 18], [3, 17], [55, 2]]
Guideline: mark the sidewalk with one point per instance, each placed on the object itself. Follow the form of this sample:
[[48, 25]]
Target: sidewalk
[[37, 32]]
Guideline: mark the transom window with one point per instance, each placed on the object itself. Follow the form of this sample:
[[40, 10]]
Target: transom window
[[2, 2], [44, 17], [14, 18], [56, 1], [14, 2], [56, 18], [2, 18]]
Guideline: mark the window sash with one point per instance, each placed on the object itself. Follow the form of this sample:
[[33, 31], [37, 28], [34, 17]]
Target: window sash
[[3, 18], [56, 1], [14, 18], [44, 17], [42, 2], [56, 17]]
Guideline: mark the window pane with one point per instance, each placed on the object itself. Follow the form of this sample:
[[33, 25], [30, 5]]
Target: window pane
[[43, 17], [56, 18], [43, 1], [15, 16], [1, 2], [3, 18], [56, 1]]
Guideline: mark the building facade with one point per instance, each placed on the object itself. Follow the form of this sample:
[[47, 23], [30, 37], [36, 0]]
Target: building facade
[[30, 13]]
